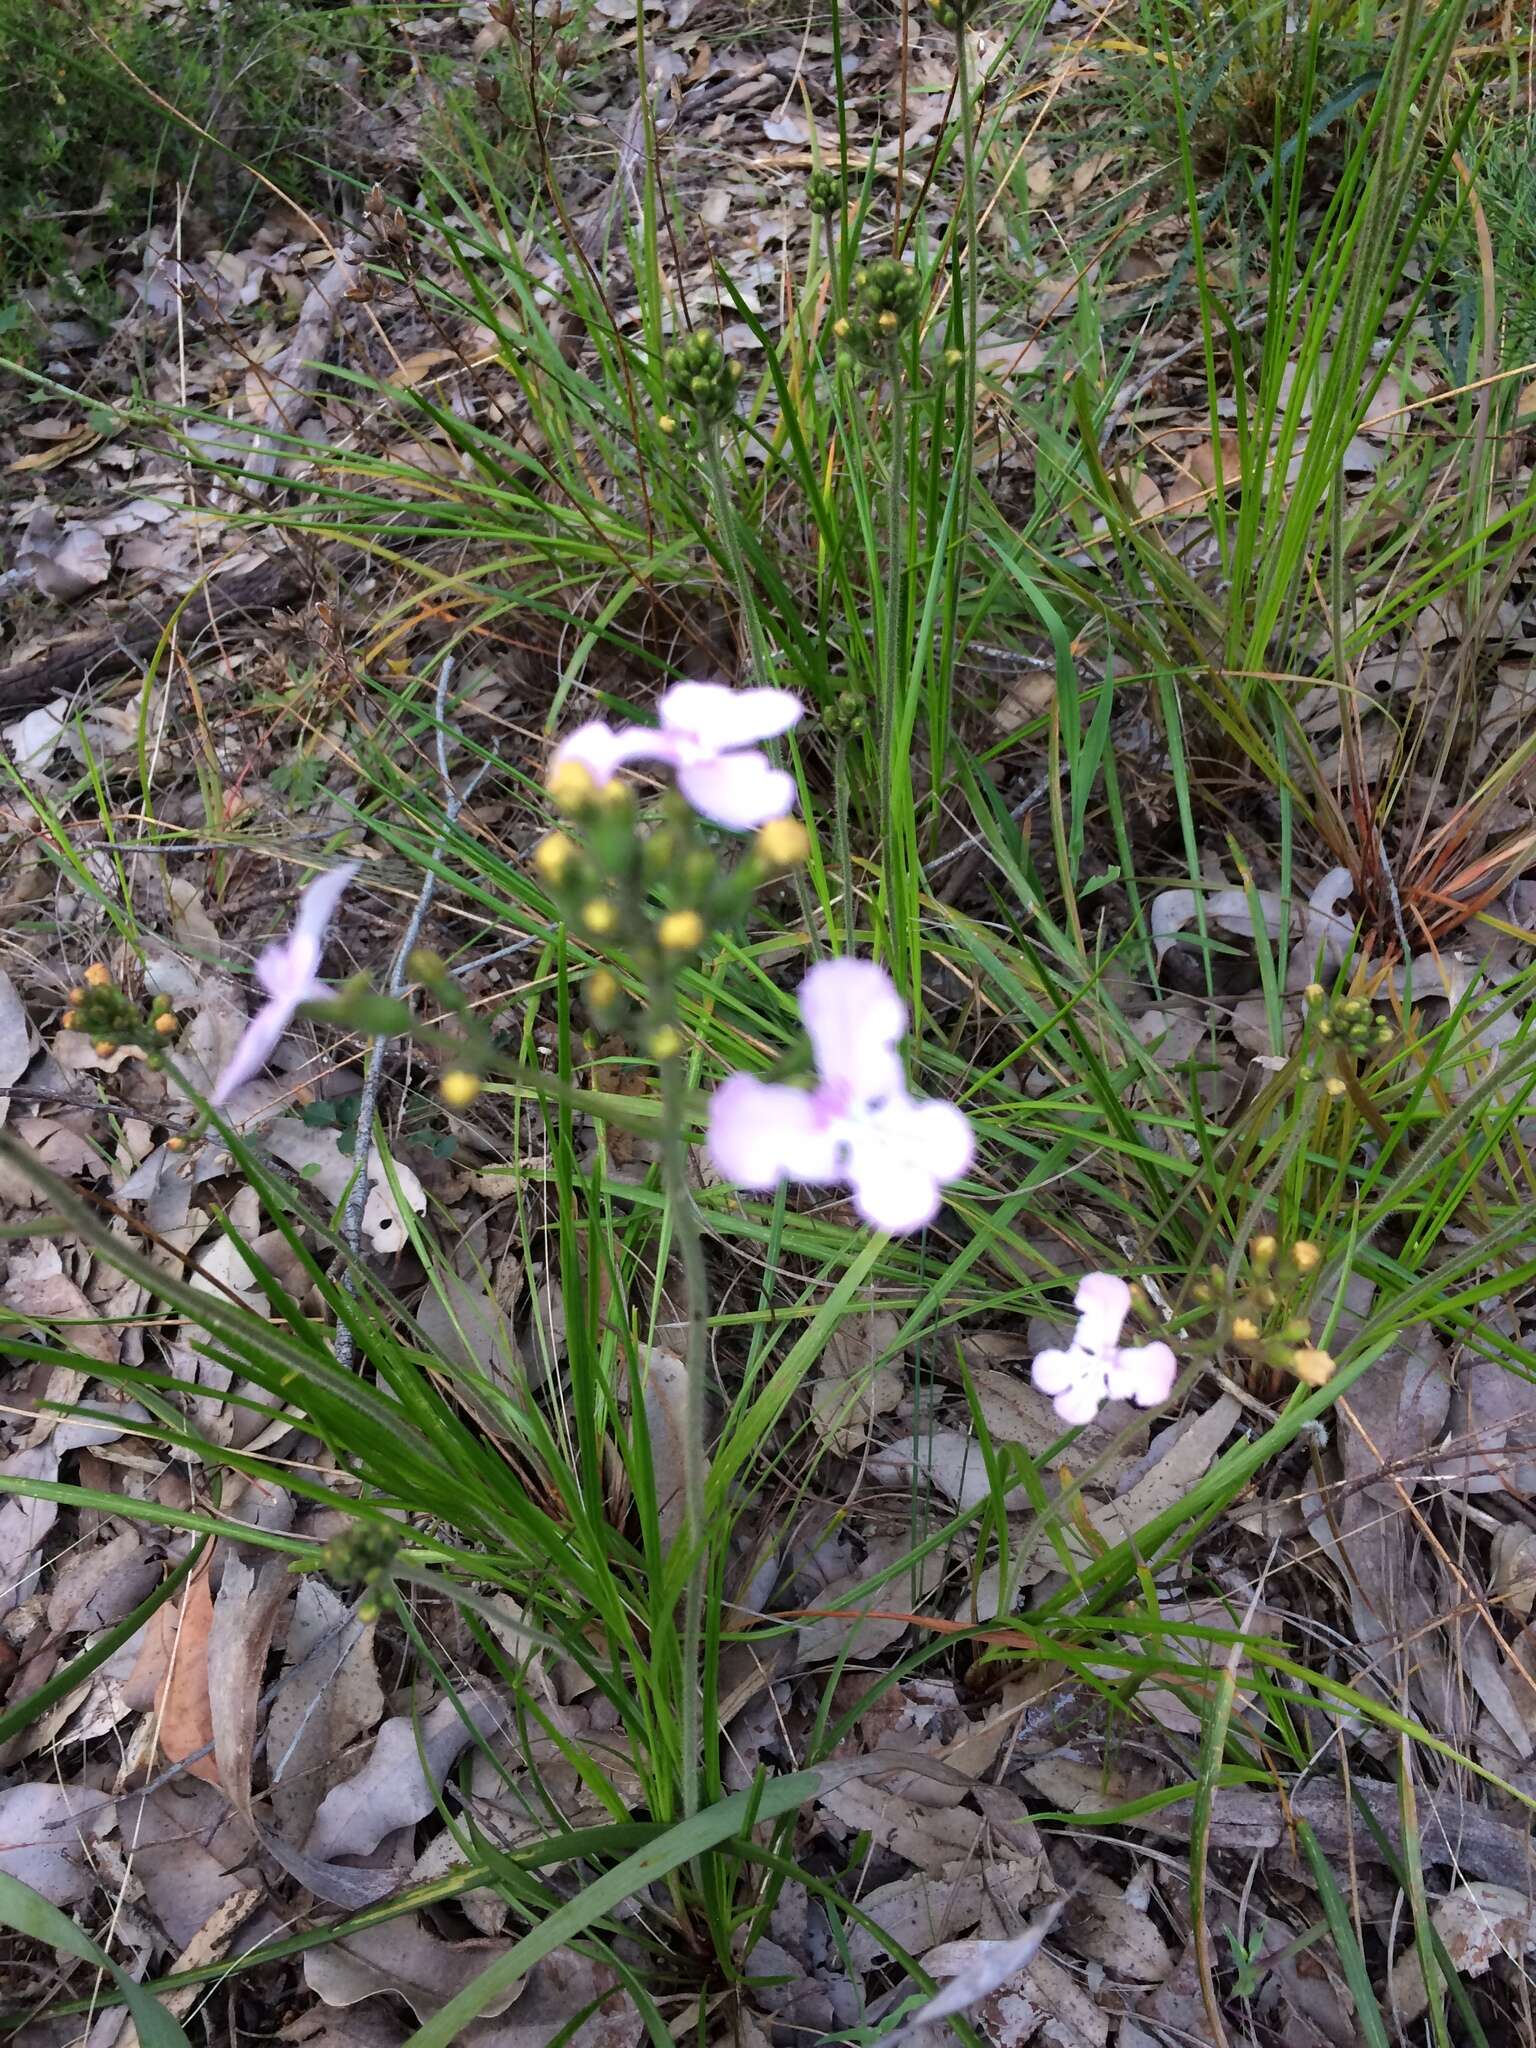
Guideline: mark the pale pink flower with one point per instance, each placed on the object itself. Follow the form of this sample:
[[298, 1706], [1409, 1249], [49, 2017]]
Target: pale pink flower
[[708, 735], [1094, 1368], [858, 1124], [287, 973]]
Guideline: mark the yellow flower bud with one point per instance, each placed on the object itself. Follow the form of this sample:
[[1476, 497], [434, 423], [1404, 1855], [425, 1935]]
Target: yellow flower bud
[[599, 917], [1244, 1330], [178, 1144], [1334, 1087], [553, 855], [104, 1048], [603, 990], [666, 1042], [1305, 1255], [67, 1021], [887, 322], [680, 931], [167, 1024], [571, 787], [1316, 1368], [783, 843], [842, 328], [76, 995], [1313, 991], [1263, 1250], [665, 423], [96, 976], [459, 1087]]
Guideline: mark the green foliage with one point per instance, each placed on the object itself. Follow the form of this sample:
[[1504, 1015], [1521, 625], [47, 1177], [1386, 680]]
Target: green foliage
[[86, 153]]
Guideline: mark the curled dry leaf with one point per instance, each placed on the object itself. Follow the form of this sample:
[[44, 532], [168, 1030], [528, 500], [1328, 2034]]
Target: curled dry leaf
[[399, 1783], [402, 1960], [666, 1416]]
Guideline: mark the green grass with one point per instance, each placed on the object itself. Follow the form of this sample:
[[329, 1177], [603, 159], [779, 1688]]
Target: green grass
[[830, 533]]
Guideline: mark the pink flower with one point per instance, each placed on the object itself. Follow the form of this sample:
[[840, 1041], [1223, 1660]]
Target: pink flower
[[708, 735], [858, 1124], [287, 973], [1094, 1369]]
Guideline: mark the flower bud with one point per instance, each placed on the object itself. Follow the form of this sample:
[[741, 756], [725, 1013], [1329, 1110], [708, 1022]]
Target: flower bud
[[571, 787], [76, 995], [1314, 992], [680, 931], [458, 1087], [104, 1048], [666, 1042], [1305, 1256], [167, 1025], [1334, 1087], [602, 990], [67, 1021], [665, 423], [783, 843], [554, 855], [97, 976], [1262, 1252], [1244, 1330], [1316, 1368], [178, 1144], [599, 917]]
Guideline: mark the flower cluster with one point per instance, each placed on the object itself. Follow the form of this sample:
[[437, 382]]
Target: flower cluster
[[709, 735], [887, 296], [109, 1017], [1263, 1315], [953, 14], [701, 380], [653, 895], [824, 192], [1096, 1367], [1349, 1024]]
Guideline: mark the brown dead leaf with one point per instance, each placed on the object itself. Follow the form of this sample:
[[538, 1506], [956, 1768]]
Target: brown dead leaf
[[244, 1617], [44, 1833], [79, 440], [174, 1657]]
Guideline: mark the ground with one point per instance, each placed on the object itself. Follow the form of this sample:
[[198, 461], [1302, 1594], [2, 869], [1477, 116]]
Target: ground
[[579, 1498]]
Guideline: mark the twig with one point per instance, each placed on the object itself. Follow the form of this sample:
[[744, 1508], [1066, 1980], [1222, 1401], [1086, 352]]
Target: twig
[[357, 1199]]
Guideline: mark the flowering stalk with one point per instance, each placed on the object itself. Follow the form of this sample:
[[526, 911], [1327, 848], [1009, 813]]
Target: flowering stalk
[[895, 583], [965, 379]]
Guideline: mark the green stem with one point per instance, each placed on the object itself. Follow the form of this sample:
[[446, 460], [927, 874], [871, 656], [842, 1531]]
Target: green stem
[[965, 382], [840, 799], [690, 1245], [890, 692], [730, 540]]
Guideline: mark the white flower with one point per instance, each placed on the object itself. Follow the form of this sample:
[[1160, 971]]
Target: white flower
[[287, 973], [708, 735], [1094, 1368], [858, 1124]]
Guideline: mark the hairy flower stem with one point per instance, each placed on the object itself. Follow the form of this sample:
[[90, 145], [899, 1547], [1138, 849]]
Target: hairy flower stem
[[690, 1245], [895, 580], [840, 797]]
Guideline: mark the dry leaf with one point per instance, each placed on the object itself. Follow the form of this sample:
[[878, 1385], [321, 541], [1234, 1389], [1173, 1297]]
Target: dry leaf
[[554, 1991], [329, 1696], [1477, 1922], [666, 1417], [402, 1960], [44, 1831], [183, 1710], [398, 1784], [315, 1156], [63, 562]]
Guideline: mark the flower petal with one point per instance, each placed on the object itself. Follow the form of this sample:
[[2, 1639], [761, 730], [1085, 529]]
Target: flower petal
[[256, 1045], [1145, 1374], [855, 1020], [1054, 1371], [900, 1157], [719, 718], [761, 1133], [738, 791], [1080, 1403], [1102, 1302], [603, 749]]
